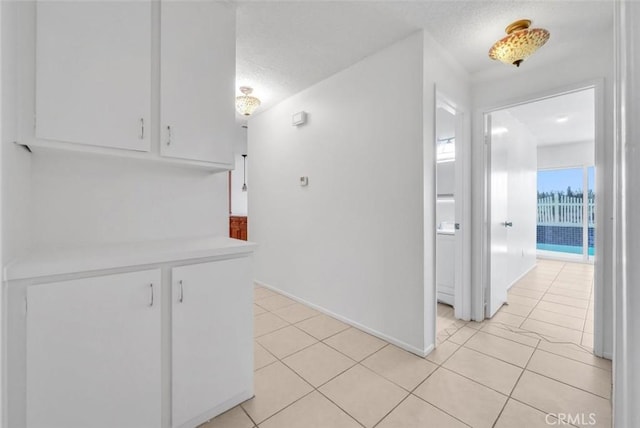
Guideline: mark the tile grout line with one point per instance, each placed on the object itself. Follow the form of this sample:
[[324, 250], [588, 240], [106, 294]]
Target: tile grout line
[[497, 325], [543, 337], [411, 392], [518, 381], [438, 365], [584, 325], [248, 415], [591, 290], [541, 297], [515, 385], [556, 380], [312, 386]]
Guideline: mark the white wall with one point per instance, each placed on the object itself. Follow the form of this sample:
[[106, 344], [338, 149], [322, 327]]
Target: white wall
[[518, 84], [359, 241], [3, 61], [64, 198], [342, 243], [83, 200], [572, 155], [239, 198], [16, 162], [626, 367], [521, 195]]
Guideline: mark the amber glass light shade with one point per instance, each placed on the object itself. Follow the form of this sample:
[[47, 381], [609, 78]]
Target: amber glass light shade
[[246, 104], [520, 43]]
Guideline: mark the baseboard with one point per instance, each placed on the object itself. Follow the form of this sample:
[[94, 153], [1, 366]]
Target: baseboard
[[373, 332], [218, 410], [521, 276], [428, 350]]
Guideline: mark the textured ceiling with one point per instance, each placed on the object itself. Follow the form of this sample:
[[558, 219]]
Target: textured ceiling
[[540, 118], [284, 47]]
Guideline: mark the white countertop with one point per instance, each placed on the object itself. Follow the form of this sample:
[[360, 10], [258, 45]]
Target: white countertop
[[69, 260]]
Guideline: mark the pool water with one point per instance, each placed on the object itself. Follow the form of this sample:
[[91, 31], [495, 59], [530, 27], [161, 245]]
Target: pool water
[[571, 249]]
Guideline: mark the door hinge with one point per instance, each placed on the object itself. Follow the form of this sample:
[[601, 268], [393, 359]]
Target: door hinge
[[26, 305]]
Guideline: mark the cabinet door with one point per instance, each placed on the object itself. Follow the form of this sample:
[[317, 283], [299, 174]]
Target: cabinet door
[[197, 72], [212, 340], [93, 73], [93, 352]]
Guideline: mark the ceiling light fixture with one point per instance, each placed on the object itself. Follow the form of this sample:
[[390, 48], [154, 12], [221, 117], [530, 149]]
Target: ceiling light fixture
[[499, 130], [244, 173], [562, 119], [246, 104], [520, 43]]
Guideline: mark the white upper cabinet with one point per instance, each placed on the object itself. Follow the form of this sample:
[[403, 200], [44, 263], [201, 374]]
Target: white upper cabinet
[[98, 68], [93, 68], [197, 74]]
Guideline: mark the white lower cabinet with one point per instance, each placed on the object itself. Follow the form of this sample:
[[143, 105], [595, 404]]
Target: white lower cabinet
[[212, 340], [167, 345], [445, 267], [93, 352]]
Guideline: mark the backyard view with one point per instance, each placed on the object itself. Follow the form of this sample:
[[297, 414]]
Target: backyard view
[[566, 211]]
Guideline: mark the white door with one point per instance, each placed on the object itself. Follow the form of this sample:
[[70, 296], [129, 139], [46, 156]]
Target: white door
[[93, 66], [212, 338], [462, 245], [93, 352], [198, 59], [498, 223]]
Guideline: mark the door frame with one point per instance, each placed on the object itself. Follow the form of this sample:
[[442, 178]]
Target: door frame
[[462, 289], [602, 168]]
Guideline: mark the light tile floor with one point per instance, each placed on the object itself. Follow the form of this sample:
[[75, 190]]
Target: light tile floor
[[530, 360]]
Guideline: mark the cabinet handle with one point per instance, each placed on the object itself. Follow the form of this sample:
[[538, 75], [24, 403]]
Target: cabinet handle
[[142, 128], [151, 286], [181, 292], [168, 135]]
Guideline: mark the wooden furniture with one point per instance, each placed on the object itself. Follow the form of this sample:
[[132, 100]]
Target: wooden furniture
[[238, 227], [148, 335]]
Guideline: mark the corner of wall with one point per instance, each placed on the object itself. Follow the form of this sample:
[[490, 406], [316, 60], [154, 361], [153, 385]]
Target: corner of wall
[[16, 161]]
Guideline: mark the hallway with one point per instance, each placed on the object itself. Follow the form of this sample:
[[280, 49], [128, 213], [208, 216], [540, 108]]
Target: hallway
[[529, 363]]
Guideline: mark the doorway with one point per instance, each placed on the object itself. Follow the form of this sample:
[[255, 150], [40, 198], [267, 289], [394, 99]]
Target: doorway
[[566, 211], [452, 201], [541, 215]]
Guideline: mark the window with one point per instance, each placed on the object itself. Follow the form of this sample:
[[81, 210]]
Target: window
[[566, 211]]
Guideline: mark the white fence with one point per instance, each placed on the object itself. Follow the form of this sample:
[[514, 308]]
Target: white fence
[[559, 210]]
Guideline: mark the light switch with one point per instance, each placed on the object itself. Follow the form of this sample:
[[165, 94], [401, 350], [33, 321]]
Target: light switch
[[304, 181]]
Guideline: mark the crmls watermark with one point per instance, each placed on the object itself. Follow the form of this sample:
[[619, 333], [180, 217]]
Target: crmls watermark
[[581, 419]]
